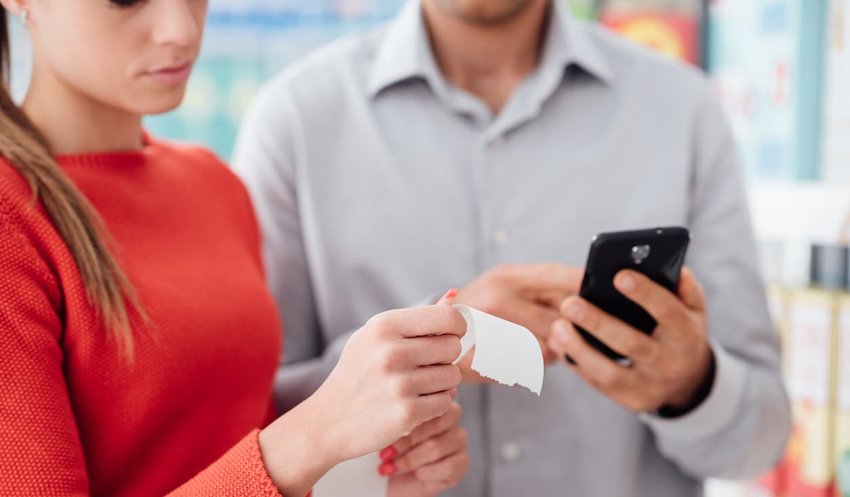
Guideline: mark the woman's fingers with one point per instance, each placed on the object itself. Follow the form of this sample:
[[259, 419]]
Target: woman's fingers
[[448, 471], [428, 430], [432, 450]]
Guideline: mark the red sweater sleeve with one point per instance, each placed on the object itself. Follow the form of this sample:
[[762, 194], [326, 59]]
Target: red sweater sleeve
[[240, 472], [40, 449]]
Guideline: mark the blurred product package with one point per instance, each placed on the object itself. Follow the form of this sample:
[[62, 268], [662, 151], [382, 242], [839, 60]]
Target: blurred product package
[[836, 151], [842, 413], [809, 468], [671, 27], [809, 297], [583, 9], [767, 60]]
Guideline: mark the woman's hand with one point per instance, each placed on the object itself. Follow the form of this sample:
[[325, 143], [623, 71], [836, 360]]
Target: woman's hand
[[432, 459], [394, 374]]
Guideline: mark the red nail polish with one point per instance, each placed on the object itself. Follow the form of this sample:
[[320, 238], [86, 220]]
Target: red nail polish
[[388, 454], [452, 293], [387, 469]]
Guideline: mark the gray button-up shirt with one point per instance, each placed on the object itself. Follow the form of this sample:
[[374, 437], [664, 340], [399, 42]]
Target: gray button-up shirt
[[379, 183]]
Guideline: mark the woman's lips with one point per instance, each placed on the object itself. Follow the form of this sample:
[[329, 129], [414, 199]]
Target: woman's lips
[[172, 75]]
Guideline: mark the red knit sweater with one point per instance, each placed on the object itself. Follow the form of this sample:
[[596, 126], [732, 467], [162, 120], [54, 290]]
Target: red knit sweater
[[77, 419]]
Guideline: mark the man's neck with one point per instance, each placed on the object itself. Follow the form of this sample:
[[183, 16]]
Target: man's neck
[[489, 61], [72, 123]]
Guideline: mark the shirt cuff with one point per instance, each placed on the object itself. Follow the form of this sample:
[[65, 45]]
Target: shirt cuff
[[716, 412]]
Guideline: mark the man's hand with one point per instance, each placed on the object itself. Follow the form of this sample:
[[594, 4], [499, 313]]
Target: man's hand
[[526, 294], [672, 369]]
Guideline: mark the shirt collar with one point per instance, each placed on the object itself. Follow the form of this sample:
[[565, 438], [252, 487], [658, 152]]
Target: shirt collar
[[405, 50]]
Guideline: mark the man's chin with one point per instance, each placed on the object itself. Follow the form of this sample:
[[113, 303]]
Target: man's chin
[[487, 13]]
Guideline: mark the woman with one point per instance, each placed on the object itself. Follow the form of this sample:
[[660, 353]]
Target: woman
[[137, 341]]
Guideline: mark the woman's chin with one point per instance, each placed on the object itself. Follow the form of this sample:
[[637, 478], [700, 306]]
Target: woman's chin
[[159, 103]]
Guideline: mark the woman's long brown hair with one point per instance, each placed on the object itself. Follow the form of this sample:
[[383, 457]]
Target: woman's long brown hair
[[21, 144]]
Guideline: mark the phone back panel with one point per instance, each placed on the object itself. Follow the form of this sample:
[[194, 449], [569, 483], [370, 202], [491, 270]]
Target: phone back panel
[[657, 253]]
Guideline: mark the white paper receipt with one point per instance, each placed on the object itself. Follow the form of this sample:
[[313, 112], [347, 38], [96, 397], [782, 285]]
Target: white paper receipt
[[355, 478], [504, 351]]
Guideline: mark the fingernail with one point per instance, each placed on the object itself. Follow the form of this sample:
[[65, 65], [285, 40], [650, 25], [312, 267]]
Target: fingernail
[[626, 283], [387, 469], [575, 311], [561, 331], [388, 454], [452, 293]]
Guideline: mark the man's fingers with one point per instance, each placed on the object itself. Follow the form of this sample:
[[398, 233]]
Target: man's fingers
[[598, 370], [536, 317], [662, 305], [613, 332], [432, 450], [549, 357], [691, 291], [544, 279]]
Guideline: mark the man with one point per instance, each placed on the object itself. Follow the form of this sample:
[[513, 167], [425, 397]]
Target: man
[[481, 144]]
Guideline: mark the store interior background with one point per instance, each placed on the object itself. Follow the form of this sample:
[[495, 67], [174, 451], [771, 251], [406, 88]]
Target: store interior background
[[781, 69]]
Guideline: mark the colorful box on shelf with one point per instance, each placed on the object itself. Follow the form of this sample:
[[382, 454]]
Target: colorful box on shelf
[[841, 449], [816, 316], [836, 148], [766, 58], [671, 27], [808, 468], [674, 35], [583, 9]]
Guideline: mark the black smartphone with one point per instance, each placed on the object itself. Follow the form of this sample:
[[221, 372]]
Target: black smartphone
[[658, 253]]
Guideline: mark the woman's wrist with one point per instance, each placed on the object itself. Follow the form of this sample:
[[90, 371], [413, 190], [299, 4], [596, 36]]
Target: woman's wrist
[[296, 449]]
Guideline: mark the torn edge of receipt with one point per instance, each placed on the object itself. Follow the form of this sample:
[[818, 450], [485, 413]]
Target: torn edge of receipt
[[504, 351]]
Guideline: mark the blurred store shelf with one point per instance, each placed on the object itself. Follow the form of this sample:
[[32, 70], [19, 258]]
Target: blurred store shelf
[[811, 211]]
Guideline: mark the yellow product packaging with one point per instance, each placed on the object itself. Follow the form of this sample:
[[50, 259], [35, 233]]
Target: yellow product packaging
[[808, 467], [841, 450]]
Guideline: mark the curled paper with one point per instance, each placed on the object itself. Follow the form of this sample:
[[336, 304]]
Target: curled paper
[[504, 351]]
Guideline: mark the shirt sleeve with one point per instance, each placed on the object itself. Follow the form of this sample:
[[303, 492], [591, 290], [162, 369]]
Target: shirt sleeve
[[741, 428], [265, 158], [40, 449]]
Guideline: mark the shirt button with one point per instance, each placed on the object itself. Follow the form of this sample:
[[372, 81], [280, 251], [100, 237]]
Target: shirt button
[[511, 451], [500, 237]]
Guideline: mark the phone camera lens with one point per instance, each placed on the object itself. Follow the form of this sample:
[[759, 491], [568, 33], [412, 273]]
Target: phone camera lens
[[640, 253]]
